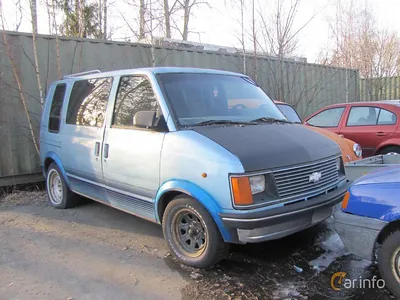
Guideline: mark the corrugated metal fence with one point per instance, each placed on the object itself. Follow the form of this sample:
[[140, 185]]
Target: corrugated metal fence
[[386, 88], [307, 86]]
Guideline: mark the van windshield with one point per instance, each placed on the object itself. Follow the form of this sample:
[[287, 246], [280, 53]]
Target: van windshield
[[199, 99]]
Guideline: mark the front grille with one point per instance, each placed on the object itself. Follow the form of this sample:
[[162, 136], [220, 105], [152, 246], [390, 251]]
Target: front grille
[[294, 183]]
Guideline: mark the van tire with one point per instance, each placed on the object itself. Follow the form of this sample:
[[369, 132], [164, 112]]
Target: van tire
[[200, 230], [58, 193], [389, 260]]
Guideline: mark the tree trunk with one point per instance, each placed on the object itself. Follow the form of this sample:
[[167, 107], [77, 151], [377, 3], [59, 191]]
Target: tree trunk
[[78, 15], [81, 18], [100, 4], [53, 4], [34, 32], [167, 19], [34, 15], [153, 59], [254, 41], [105, 7], [48, 10], [19, 85], [243, 43], [142, 23], [186, 17]]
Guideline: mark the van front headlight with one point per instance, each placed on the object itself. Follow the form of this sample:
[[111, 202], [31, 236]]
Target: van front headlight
[[257, 184], [338, 163]]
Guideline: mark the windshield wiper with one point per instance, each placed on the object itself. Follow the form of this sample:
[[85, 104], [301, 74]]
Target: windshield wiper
[[271, 120], [214, 122]]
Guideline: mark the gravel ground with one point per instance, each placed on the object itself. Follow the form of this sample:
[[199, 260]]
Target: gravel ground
[[18, 198], [96, 252]]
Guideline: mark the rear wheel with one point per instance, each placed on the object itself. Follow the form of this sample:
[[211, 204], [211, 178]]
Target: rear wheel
[[390, 149], [59, 195], [389, 262], [191, 233]]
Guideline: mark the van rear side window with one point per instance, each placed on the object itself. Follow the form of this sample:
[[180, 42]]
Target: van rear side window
[[55, 110], [88, 102]]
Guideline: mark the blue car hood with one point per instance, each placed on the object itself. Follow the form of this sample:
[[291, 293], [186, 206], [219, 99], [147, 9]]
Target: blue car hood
[[384, 175]]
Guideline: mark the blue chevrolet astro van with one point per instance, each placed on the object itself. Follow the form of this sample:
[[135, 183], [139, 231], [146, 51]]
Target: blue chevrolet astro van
[[205, 153]]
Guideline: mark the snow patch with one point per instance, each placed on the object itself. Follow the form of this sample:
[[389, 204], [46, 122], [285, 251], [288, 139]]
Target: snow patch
[[334, 248]]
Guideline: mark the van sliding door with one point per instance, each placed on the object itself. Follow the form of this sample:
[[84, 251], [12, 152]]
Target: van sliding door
[[83, 134]]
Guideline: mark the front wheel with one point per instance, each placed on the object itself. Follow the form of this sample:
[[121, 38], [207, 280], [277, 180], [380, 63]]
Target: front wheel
[[191, 233], [389, 262]]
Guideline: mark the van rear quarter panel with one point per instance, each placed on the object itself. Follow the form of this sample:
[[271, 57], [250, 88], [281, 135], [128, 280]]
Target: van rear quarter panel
[[50, 143]]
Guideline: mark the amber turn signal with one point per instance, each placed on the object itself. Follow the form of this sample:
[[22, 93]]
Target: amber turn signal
[[241, 191], [345, 200]]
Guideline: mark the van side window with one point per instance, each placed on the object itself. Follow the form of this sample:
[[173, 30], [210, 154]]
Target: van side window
[[55, 109], [134, 94], [88, 102]]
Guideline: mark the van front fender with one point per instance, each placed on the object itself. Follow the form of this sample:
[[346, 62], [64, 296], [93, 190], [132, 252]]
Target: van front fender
[[194, 191]]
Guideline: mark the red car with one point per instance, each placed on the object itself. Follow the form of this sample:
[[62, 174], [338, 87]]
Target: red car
[[373, 125]]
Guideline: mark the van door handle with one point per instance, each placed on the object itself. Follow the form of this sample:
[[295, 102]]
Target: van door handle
[[97, 149], [106, 148], [380, 133]]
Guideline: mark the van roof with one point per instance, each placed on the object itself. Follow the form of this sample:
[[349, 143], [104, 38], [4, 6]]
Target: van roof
[[156, 70]]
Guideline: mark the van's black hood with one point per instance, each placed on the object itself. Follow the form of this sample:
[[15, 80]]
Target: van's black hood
[[269, 146]]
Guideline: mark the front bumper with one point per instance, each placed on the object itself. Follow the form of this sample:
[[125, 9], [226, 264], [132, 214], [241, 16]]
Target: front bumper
[[358, 234], [270, 224]]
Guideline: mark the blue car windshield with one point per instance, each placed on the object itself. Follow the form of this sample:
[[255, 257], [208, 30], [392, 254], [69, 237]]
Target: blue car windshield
[[199, 98]]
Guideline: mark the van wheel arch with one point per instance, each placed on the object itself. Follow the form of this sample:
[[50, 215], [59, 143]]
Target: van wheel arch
[[48, 161], [165, 199]]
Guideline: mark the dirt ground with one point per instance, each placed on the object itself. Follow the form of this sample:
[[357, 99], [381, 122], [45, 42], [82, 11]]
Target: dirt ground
[[96, 252]]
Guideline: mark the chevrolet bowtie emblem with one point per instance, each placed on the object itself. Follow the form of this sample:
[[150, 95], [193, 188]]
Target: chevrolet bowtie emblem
[[315, 177]]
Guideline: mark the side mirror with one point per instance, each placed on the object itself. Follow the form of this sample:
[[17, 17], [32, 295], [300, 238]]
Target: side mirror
[[145, 119]]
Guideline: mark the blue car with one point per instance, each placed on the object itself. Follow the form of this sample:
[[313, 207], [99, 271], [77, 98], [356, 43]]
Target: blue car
[[369, 222]]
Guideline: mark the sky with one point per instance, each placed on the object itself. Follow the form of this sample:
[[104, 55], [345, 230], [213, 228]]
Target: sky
[[220, 24]]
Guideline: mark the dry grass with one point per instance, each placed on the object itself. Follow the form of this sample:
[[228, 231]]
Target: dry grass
[[22, 197]]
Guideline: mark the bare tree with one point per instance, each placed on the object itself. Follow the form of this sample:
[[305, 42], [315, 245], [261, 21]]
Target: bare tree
[[242, 9], [142, 20], [17, 80], [168, 14], [360, 44], [167, 19], [254, 38], [100, 14], [49, 18], [280, 39], [55, 27], [33, 7], [242, 34], [153, 59], [105, 19], [81, 17], [187, 6], [18, 14]]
